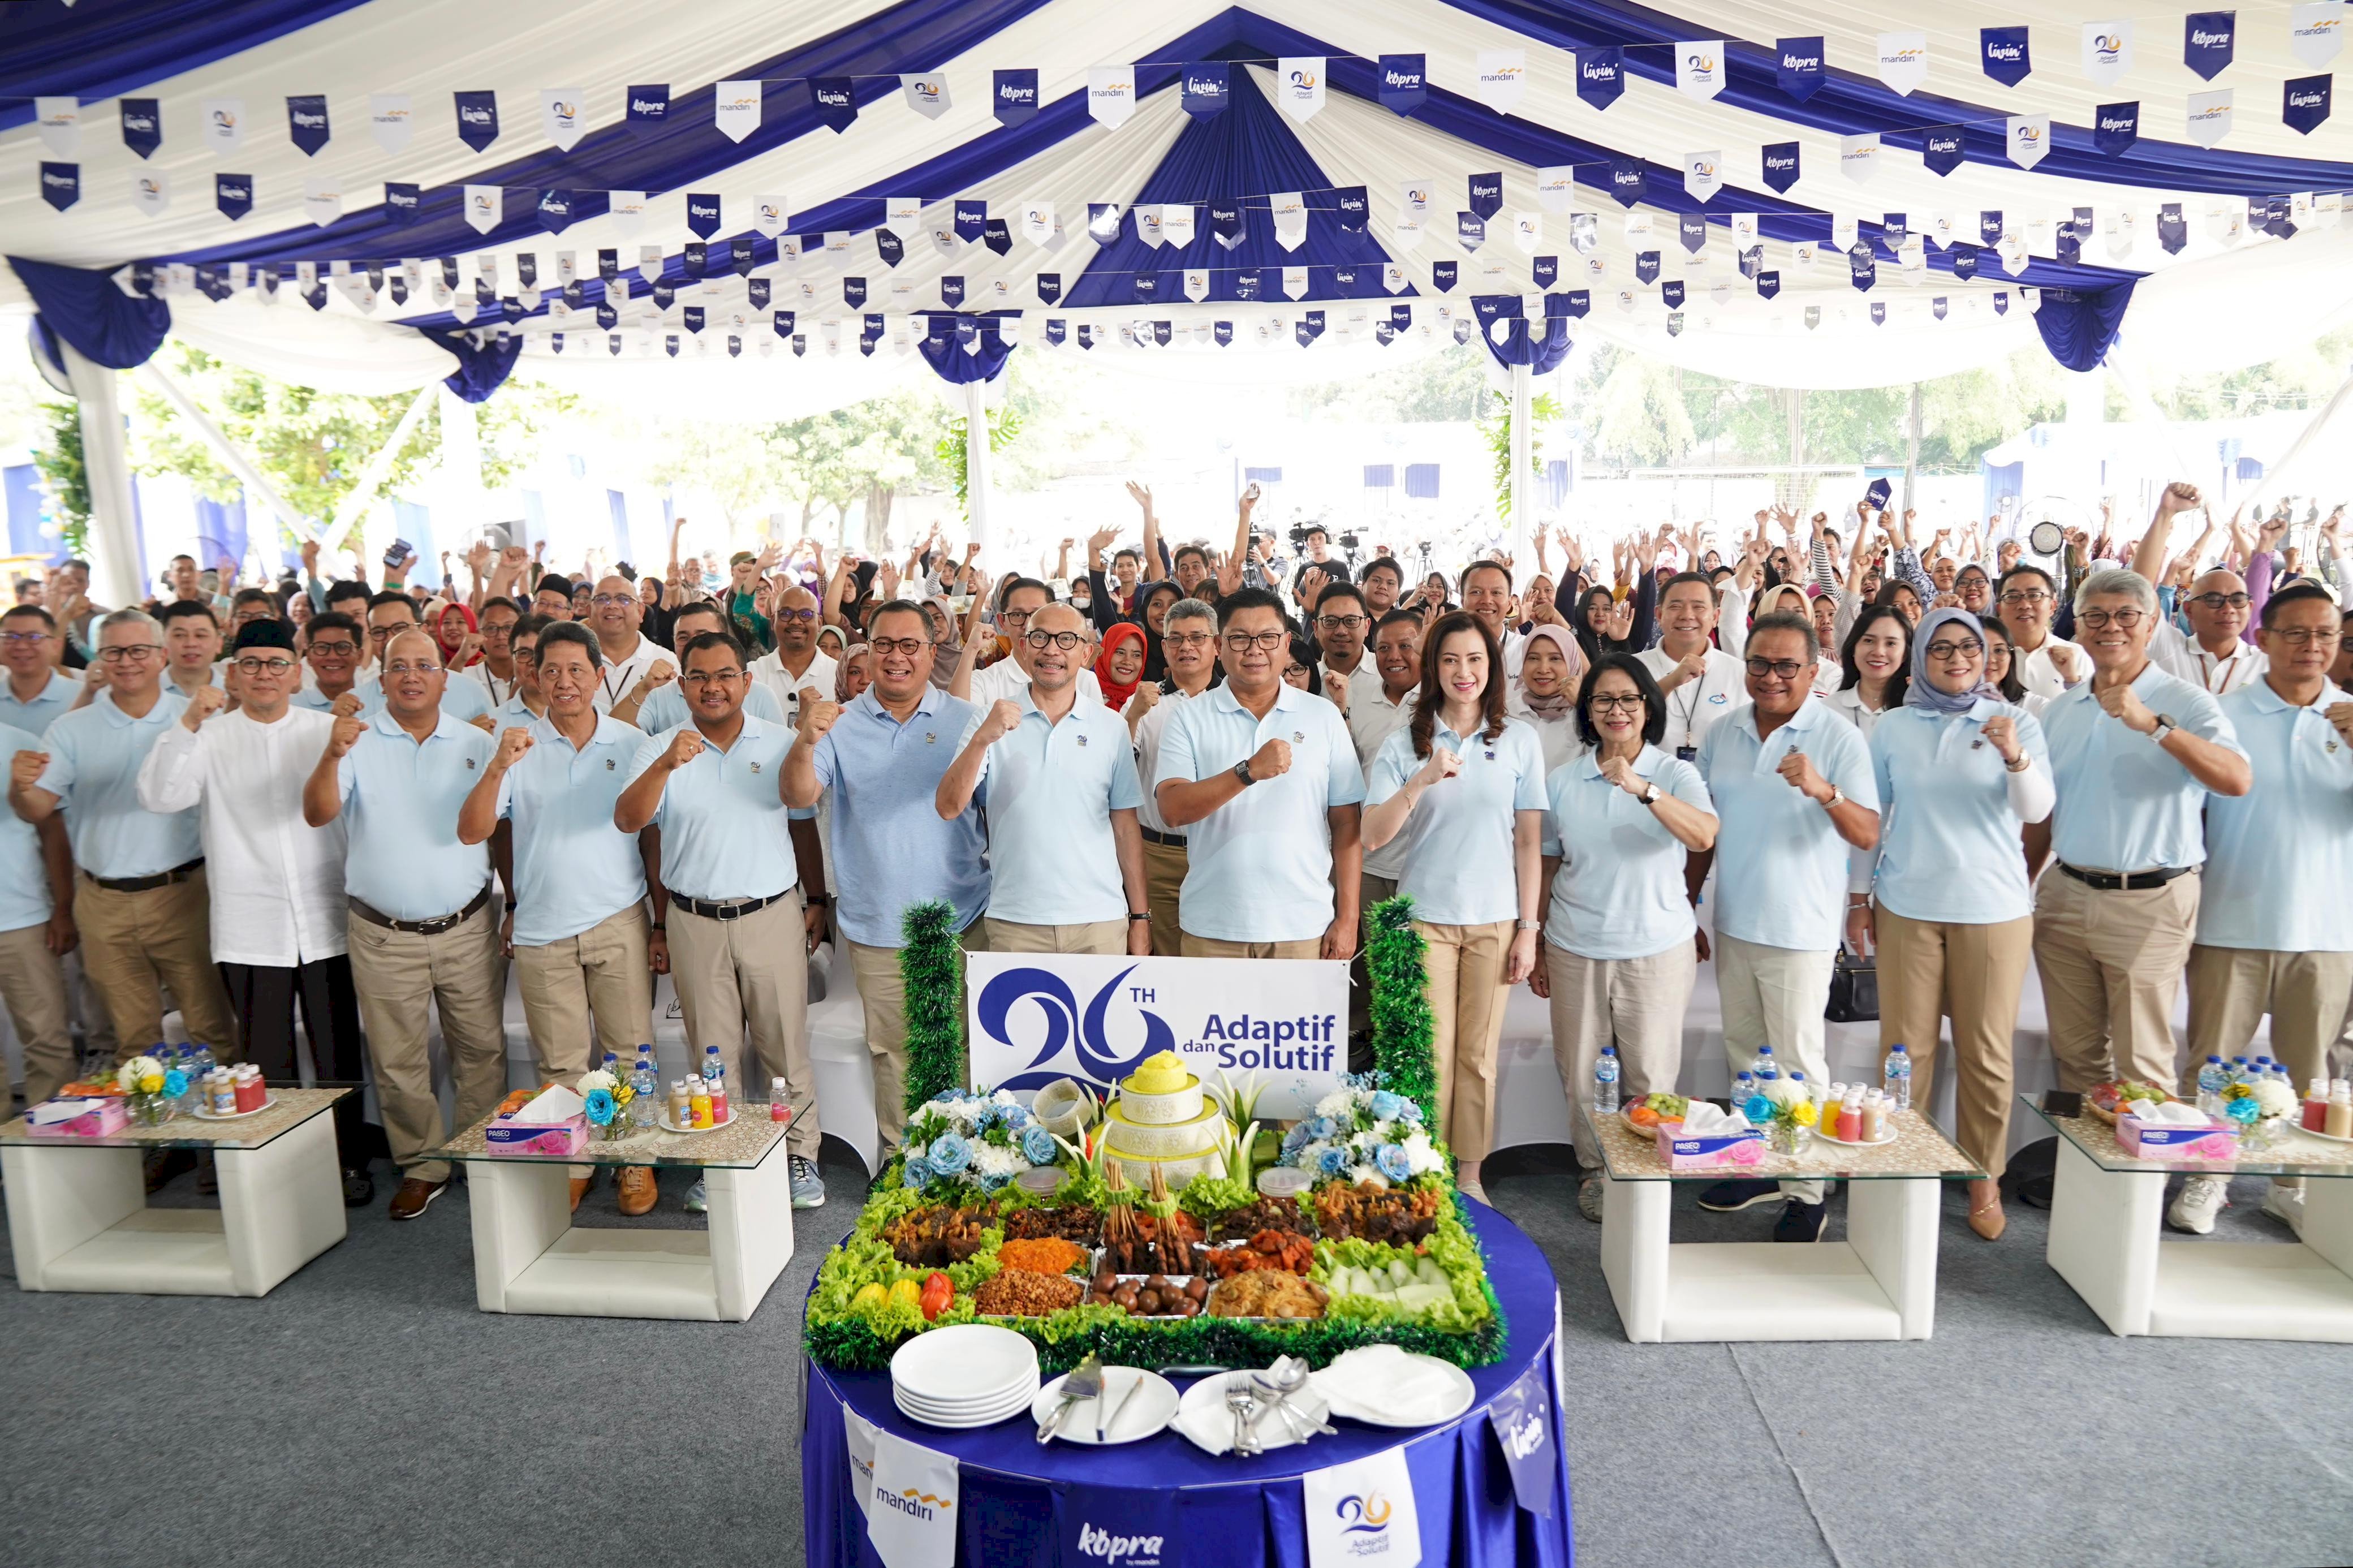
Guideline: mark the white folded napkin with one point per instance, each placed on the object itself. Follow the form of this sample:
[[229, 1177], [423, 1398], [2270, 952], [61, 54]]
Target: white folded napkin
[[50, 1111], [1385, 1381], [2172, 1112], [557, 1104], [1702, 1119]]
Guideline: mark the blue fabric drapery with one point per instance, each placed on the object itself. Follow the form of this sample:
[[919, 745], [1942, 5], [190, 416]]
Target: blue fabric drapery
[[483, 362], [1540, 350], [105, 325], [2078, 326], [102, 49], [943, 346]]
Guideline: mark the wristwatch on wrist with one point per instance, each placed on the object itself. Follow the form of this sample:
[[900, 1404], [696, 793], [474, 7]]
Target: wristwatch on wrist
[[1529, 925], [1650, 795], [1137, 915], [1838, 797], [1242, 772], [2165, 725]]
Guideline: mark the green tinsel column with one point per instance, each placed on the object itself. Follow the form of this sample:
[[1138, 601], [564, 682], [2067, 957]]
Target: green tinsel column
[[1403, 1029], [931, 971]]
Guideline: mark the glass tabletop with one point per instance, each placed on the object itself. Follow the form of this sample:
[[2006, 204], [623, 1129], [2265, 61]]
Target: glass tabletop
[[744, 1142], [1918, 1152], [288, 1108], [2294, 1153]]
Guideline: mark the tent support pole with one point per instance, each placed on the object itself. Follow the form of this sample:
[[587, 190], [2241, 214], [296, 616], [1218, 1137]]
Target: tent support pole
[[1522, 534], [976, 462], [355, 503], [1912, 451], [232, 458], [116, 572]]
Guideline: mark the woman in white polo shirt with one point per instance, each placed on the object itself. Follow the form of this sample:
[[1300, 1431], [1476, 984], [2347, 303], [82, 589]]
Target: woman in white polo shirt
[[1618, 959], [1959, 770], [1463, 783]]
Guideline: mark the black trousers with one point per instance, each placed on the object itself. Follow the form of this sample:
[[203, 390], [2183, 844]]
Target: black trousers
[[264, 997]]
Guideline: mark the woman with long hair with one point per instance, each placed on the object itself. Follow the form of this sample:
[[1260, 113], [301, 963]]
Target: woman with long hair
[[1302, 669], [1152, 602], [2001, 667], [1463, 783], [1874, 665], [1552, 667]]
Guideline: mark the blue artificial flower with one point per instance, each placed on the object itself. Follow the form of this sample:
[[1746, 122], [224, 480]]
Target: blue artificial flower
[[950, 1154], [1757, 1109], [1386, 1107], [601, 1108], [1390, 1160], [175, 1083], [1038, 1145], [1325, 1126], [916, 1172], [1016, 1117], [2243, 1110], [1333, 1162], [1296, 1140], [1413, 1112]]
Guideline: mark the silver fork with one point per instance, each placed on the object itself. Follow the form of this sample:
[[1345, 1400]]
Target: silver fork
[[1243, 1404]]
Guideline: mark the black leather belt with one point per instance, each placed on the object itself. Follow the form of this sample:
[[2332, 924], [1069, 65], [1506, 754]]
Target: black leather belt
[[376, 917], [146, 884], [2127, 881], [734, 910], [1173, 840]]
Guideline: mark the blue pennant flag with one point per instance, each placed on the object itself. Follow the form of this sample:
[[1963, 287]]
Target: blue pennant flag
[[756, 293], [575, 295], [1145, 285], [1546, 272], [1207, 89], [890, 246], [143, 125], [1344, 281], [1057, 330], [2001, 302], [853, 292], [510, 308], [609, 264], [1470, 230], [1050, 288], [233, 193], [2304, 102], [2006, 57], [2115, 127], [1965, 262], [952, 289], [1225, 222], [800, 345], [2207, 40], [1086, 335], [1862, 266], [2278, 220], [665, 295], [477, 119], [784, 320], [1646, 267], [1400, 317], [527, 270], [1315, 324], [1486, 194], [401, 202], [449, 272], [1600, 75], [740, 255], [1384, 334], [1162, 332], [1691, 229], [703, 213], [1441, 276], [1751, 259], [1016, 96], [696, 257], [1781, 165], [1103, 219], [61, 187], [399, 290], [1626, 179], [1941, 148], [648, 103], [971, 220], [306, 121], [1581, 301], [1672, 291], [1768, 284], [1223, 332], [1879, 313], [1937, 306], [1247, 282], [1348, 201], [609, 315], [556, 211], [1522, 1416], [834, 100], [997, 235], [1799, 67], [316, 297], [2067, 247], [1990, 227], [1299, 331], [1894, 228], [1405, 83], [670, 345], [691, 317], [2172, 228]]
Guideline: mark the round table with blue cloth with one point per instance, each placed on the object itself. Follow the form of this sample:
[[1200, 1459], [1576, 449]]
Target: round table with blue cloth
[[1231, 1513]]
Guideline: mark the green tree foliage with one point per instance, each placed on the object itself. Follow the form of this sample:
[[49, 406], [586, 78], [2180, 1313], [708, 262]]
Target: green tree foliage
[[1644, 419], [864, 455], [1495, 430], [64, 474], [1448, 386]]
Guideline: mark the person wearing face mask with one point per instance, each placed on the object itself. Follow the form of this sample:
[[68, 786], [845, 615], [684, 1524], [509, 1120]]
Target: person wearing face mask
[[1945, 896], [1874, 666], [2216, 655], [1552, 670], [1189, 638], [1698, 681]]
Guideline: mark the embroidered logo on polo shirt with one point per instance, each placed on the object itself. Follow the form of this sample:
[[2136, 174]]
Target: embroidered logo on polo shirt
[[1083, 739], [1720, 697], [469, 765], [929, 737], [608, 765], [755, 767], [1491, 756], [1298, 737]]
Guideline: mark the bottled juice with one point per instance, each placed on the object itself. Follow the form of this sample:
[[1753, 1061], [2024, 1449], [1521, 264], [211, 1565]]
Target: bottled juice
[[681, 1109], [2315, 1106], [717, 1088], [1850, 1118], [699, 1101], [2340, 1110]]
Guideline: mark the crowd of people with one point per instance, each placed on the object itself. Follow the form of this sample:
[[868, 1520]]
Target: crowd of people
[[352, 800]]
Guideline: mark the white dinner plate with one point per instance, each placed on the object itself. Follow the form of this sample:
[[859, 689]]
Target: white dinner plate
[[1887, 1136], [1149, 1411], [669, 1126], [201, 1114], [963, 1363], [1342, 1392], [2324, 1137], [1202, 1415], [1013, 1406]]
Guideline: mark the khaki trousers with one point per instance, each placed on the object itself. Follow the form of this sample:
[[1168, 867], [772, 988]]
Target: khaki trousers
[[1371, 890], [883, 995], [135, 944], [1465, 965], [1634, 1004], [1163, 879], [1775, 997], [2111, 965], [32, 985], [1108, 938], [1929, 970], [2231, 989], [604, 973], [752, 971], [459, 973], [1210, 947]]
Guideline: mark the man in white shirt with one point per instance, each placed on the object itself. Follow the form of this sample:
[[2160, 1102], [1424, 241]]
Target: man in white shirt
[[2046, 665], [1487, 593], [658, 700], [614, 613], [1189, 642], [797, 661], [37, 690], [2216, 655], [1343, 629], [1009, 676], [1700, 681], [276, 883]]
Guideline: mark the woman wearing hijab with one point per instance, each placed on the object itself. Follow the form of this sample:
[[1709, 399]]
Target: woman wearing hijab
[[1119, 667], [660, 610], [853, 672], [452, 624], [1945, 896], [1594, 614], [1552, 667]]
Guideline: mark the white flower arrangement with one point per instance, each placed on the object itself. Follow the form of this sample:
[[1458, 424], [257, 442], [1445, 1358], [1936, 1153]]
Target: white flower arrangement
[[595, 1079], [2274, 1097], [1782, 1091], [137, 1070]]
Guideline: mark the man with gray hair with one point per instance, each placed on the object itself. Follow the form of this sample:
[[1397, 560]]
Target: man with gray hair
[[1189, 645], [2134, 752]]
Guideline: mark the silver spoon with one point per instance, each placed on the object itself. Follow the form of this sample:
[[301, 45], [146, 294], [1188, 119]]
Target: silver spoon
[[1286, 1377]]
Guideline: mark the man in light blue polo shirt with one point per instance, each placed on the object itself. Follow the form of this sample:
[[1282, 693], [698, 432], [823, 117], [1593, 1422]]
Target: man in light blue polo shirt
[[1265, 780], [883, 757], [1057, 775], [37, 692], [422, 928], [738, 948], [665, 705], [2135, 753], [583, 946], [36, 931], [140, 903], [2274, 928], [1794, 791]]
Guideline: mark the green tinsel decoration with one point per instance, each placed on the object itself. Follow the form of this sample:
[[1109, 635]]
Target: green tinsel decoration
[[930, 972], [1403, 1028]]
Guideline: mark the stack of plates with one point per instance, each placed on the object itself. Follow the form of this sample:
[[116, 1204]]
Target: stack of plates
[[969, 1375]]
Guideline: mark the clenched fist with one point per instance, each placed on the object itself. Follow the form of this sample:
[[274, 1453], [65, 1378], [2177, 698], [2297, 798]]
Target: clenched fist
[[1799, 770], [2123, 704], [206, 701], [1444, 764], [343, 736], [1147, 694], [817, 714], [2001, 732], [348, 706], [1620, 772], [685, 745], [1003, 718], [654, 678], [1271, 761], [512, 746], [26, 768]]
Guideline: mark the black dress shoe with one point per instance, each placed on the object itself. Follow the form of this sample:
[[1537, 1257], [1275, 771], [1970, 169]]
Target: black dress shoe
[[163, 1165], [359, 1189]]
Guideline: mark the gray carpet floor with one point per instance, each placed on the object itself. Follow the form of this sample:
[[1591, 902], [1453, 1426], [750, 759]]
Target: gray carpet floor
[[364, 1413]]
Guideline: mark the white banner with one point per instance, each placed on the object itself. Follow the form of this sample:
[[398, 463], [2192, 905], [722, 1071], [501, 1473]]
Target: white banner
[[1294, 282], [1414, 198], [902, 212], [627, 210], [2107, 50], [1904, 60], [1299, 86], [1503, 79], [859, 1434], [1196, 284], [2315, 32], [1036, 222], [1407, 235], [2029, 138], [1527, 230], [650, 263], [322, 199], [389, 119], [1147, 224], [1177, 223], [910, 1514], [1702, 174], [2210, 116], [1743, 230], [1393, 278], [223, 123], [735, 107], [151, 191], [561, 115], [1285, 1020], [60, 122], [769, 213], [1699, 68], [567, 267], [2226, 220], [2123, 228], [926, 94], [1362, 1513], [1111, 94], [485, 205], [1859, 156], [1802, 253], [1556, 188], [1289, 210]]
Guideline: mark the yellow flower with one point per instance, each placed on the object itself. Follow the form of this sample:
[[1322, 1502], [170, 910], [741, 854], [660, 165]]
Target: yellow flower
[[152, 1083], [1803, 1113], [623, 1094]]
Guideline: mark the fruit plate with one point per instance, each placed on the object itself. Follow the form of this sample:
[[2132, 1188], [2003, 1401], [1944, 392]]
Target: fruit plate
[[1647, 1134]]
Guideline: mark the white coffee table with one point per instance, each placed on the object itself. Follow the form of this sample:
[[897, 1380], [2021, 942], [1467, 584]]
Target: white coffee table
[[1878, 1284], [79, 1220], [2108, 1241]]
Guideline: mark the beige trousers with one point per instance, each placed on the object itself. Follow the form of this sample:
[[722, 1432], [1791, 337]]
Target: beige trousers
[[751, 972], [32, 985], [1210, 947], [602, 973], [1465, 965], [883, 995], [1930, 970], [1775, 997], [458, 974], [133, 945], [1634, 1004], [1163, 879], [1108, 938], [2111, 965], [2231, 989]]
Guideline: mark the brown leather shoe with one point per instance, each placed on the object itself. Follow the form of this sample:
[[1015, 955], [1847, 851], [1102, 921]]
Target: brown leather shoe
[[1985, 1210], [414, 1197], [580, 1185], [638, 1189]]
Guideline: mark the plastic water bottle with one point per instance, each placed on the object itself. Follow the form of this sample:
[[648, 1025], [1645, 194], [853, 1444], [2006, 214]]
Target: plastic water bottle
[[2261, 1070], [647, 1089], [2239, 1073], [1768, 1069], [1604, 1082], [1743, 1086], [1898, 1077], [2213, 1079], [612, 1064]]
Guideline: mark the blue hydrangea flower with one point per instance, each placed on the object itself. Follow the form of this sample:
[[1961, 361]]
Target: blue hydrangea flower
[[949, 1155], [175, 1083], [1757, 1109], [601, 1107], [916, 1172], [1390, 1160], [1386, 1107], [1038, 1145], [1325, 1126], [1333, 1162], [2243, 1110]]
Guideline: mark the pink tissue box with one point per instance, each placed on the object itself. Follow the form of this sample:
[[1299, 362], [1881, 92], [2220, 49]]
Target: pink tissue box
[[1745, 1147], [106, 1115], [2165, 1141], [508, 1136]]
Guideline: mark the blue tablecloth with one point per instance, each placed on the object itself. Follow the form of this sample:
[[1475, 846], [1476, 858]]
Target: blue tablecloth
[[1231, 1513]]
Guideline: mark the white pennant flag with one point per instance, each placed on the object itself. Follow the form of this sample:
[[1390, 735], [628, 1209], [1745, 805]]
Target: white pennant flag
[[2327, 208], [1743, 230], [60, 122], [2210, 116], [1699, 68], [2226, 220], [1299, 86], [2123, 229], [1639, 223], [1393, 278], [2029, 138], [837, 242], [1802, 253], [1294, 282], [1859, 156], [1702, 174], [627, 209], [1197, 283], [2315, 32], [562, 115], [920, 1532], [388, 120], [486, 268], [1111, 94], [650, 263], [1904, 60], [735, 107], [485, 205], [1503, 79], [151, 191], [322, 199], [789, 247], [902, 212], [223, 123], [567, 267], [1177, 223], [1414, 198], [2107, 50], [1556, 188], [1913, 254], [1036, 222], [1290, 212], [1940, 229], [2014, 254], [1407, 235], [1528, 231], [926, 94], [1147, 224], [1844, 230], [769, 213]]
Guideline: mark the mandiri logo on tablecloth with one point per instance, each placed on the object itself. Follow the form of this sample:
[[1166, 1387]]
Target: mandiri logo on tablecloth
[[1034, 1017]]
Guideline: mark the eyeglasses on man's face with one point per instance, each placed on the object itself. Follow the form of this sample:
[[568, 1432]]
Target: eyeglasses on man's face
[[613, 601], [2302, 636], [1065, 641], [795, 616], [1187, 639], [1340, 623], [2101, 620], [130, 653], [910, 647], [2027, 596], [24, 639], [336, 649], [411, 667], [1243, 642], [251, 665], [702, 678], [2223, 601], [1786, 669]]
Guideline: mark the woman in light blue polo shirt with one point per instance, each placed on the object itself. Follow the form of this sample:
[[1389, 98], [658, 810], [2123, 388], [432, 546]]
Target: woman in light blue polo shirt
[[1948, 905], [1620, 959], [1463, 783]]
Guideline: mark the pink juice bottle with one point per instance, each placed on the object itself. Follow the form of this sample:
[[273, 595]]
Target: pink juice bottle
[[717, 1102]]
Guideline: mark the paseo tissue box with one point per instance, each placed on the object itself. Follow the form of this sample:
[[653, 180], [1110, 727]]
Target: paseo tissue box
[[2205, 1141], [100, 1116], [1708, 1141], [556, 1124]]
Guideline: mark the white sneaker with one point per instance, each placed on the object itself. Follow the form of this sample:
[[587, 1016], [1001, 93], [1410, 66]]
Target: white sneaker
[[698, 1198], [2202, 1197], [2285, 1205]]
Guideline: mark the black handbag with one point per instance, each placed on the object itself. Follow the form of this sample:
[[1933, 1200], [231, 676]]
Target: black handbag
[[1854, 990]]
